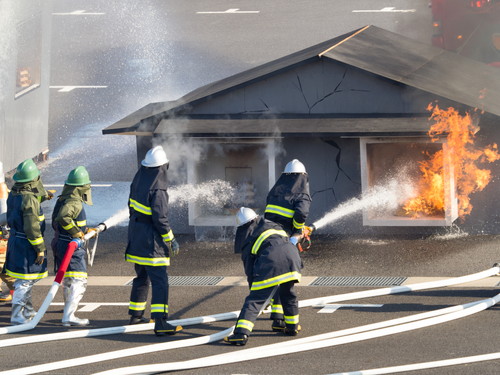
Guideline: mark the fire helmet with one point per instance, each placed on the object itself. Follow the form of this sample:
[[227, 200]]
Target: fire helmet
[[78, 177], [295, 166], [26, 171], [245, 215], [155, 157]]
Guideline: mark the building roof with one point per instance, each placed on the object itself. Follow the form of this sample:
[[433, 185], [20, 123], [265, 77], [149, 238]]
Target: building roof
[[370, 49]]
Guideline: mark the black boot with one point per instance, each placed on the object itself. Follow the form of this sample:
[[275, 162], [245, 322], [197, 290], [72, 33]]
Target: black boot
[[239, 339], [138, 320], [278, 325], [162, 327], [292, 330]]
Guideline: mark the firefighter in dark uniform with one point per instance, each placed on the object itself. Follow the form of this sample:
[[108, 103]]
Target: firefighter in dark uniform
[[151, 241], [270, 260], [288, 204], [26, 261], [69, 222]]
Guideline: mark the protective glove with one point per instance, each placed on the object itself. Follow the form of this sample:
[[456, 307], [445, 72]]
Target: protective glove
[[40, 257], [78, 235], [174, 247], [50, 194]]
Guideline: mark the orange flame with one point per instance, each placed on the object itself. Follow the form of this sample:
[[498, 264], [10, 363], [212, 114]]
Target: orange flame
[[462, 160]]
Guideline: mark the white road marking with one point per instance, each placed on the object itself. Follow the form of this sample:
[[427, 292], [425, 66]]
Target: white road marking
[[93, 185], [231, 11], [79, 13], [385, 10], [71, 88], [91, 306], [329, 309]]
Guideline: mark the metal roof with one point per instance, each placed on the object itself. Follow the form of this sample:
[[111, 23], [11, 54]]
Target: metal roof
[[371, 49]]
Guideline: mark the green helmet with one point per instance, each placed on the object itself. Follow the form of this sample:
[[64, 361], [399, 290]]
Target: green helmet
[[78, 177], [26, 171]]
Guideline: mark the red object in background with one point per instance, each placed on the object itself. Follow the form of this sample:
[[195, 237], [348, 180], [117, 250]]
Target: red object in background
[[468, 27]]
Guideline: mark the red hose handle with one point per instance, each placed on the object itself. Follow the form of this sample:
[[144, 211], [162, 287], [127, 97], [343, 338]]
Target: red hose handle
[[72, 246]]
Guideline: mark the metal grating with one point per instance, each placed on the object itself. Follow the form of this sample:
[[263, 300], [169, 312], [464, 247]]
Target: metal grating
[[357, 281], [191, 280]]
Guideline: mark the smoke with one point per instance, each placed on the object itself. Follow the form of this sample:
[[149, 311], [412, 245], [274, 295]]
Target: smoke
[[213, 194], [7, 44]]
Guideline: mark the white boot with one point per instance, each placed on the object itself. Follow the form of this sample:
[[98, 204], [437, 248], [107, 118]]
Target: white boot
[[74, 289], [17, 316]]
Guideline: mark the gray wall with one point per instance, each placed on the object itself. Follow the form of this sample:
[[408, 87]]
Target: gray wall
[[24, 120]]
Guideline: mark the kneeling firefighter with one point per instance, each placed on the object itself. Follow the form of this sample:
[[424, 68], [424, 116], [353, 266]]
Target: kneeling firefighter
[[270, 260], [69, 222], [26, 261]]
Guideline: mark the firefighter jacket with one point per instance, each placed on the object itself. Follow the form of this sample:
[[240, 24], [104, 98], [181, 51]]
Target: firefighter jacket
[[288, 202], [27, 225], [268, 256], [68, 219], [149, 232]]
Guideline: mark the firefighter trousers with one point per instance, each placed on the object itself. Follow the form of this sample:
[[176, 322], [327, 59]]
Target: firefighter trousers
[[158, 278], [255, 301]]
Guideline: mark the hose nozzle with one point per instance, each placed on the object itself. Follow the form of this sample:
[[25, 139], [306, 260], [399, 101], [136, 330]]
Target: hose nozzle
[[101, 227]]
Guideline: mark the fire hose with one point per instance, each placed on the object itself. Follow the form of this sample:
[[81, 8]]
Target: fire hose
[[234, 314], [308, 343], [72, 246]]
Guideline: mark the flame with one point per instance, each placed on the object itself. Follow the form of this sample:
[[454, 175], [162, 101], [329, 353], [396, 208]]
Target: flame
[[461, 159]]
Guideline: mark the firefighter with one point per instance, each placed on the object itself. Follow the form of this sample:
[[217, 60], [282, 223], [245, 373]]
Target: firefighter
[[270, 259], [26, 260], [5, 296], [288, 204], [151, 241], [69, 222]]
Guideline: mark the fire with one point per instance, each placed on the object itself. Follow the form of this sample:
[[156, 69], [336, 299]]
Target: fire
[[461, 159]]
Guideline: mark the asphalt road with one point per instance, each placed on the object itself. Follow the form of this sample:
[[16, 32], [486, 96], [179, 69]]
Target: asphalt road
[[415, 260]]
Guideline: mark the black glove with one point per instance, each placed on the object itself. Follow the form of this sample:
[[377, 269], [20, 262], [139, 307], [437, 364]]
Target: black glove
[[40, 257], [174, 247]]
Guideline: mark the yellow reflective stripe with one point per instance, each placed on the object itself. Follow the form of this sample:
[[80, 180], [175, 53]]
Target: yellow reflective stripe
[[27, 276], [69, 226], [148, 261], [298, 225], [168, 237], [36, 241], [159, 308], [286, 277], [41, 218], [278, 210], [83, 275], [140, 207], [293, 319], [81, 223], [263, 236], [277, 309], [137, 306], [246, 324]]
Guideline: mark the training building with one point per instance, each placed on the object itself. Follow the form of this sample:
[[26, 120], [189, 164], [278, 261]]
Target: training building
[[353, 109]]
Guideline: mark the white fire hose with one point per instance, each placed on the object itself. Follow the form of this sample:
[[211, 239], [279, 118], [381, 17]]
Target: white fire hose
[[308, 341], [72, 246], [234, 314]]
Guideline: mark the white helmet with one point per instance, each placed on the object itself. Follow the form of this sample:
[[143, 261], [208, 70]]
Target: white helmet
[[155, 157], [245, 215], [295, 166]]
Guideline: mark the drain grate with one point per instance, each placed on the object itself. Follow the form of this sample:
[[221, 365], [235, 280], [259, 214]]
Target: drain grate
[[191, 280], [357, 281]]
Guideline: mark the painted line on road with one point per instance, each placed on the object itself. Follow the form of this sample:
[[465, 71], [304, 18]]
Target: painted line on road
[[385, 10], [71, 88], [92, 306], [231, 11], [78, 13]]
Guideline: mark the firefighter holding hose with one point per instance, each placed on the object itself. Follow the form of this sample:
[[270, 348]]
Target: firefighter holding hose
[[26, 260], [270, 260], [69, 221], [288, 204], [151, 241]]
